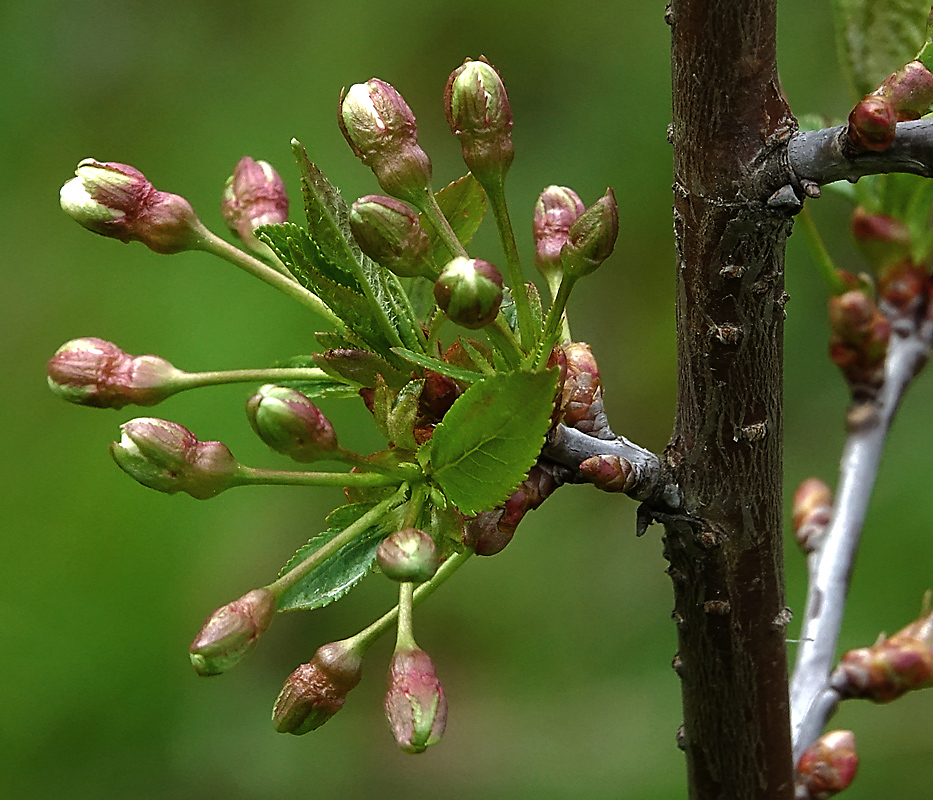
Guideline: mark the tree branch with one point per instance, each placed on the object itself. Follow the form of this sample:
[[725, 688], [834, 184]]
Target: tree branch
[[830, 564]]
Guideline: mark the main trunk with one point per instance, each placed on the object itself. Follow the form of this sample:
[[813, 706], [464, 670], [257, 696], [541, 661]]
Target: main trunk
[[725, 553]]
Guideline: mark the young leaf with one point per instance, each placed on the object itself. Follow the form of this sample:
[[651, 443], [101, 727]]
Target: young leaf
[[877, 37], [491, 437], [463, 203], [440, 367], [342, 571]]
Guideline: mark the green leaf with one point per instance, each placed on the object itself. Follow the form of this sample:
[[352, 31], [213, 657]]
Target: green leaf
[[463, 203], [878, 37], [440, 367], [332, 579], [401, 418], [491, 437], [314, 388]]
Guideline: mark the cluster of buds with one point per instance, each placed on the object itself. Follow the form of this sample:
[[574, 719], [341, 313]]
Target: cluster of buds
[[826, 767], [859, 341], [316, 691], [167, 457], [469, 292], [812, 512], [383, 133], [93, 372], [891, 667], [254, 195], [117, 201], [389, 232], [290, 424], [904, 95], [231, 632], [489, 532], [415, 703]]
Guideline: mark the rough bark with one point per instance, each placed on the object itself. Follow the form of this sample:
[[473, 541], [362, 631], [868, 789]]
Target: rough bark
[[724, 546]]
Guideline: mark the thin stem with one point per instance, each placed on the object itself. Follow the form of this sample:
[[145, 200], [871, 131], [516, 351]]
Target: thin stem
[[283, 477], [820, 254], [832, 562], [195, 380], [436, 217], [261, 248], [500, 210], [371, 633], [347, 535], [212, 243], [503, 340], [406, 635], [556, 312]]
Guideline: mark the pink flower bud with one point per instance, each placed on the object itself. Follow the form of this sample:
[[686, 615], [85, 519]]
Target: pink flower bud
[[592, 237], [389, 232], [469, 292], [910, 90], [408, 555], [382, 132], [93, 372], [555, 212], [812, 512], [316, 691], [116, 200], [479, 115], [231, 632], [168, 457], [290, 423], [827, 766], [415, 703], [254, 195], [872, 123], [883, 240]]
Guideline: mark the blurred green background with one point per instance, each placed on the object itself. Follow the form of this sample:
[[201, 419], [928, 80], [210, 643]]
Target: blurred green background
[[555, 655]]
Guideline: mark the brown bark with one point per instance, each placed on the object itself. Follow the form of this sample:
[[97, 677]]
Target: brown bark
[[726, 557]]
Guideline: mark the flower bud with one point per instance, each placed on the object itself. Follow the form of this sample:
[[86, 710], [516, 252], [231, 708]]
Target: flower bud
[[910, 90], [382, 132], [93, 372], [316, 691], [555, 212], [408, 556], [390, 234], [827, 766], [290, 423], [610, 473], [592, 237], [872, 123], [582, 388], [254, 195], [812, 512], [891, 667], [116, 200], [167, 457], [231, 632], [415, 703], [479, 115], [883, 240], [469, 291], [859, 341]]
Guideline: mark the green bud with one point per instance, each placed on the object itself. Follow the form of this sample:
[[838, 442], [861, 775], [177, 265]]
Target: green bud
[[592, 237], [408, 556], [389, 232], [415, 704], [479, 115], [469, 291], [168, 457], [290, 423], [231, 632]]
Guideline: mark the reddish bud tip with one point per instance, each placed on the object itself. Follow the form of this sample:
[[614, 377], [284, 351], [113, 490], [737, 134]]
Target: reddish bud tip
[[290, 423], [231, 632], [910, 90], [254, 195], [872, 123], [415, 704], [610, 473], [555, 212], [827, 766]]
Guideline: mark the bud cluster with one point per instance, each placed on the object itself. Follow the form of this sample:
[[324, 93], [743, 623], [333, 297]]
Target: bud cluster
[[93, 372], [826, 767], [859, 341]]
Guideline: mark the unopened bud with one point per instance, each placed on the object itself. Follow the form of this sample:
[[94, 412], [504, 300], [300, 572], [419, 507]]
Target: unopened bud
[[290, 423], [389, 232], [479, 115], [610, 473], [872, 123], [94, 372], [883, 240], [592, 237], [859, 342], [582, 387], [415, 703], [254, 195], [168, 457], [469, 292], [812, 512], [555, 212], [231, 632], [316, 691], [116, 200], [827, 766], [891, 667], [382, 132], [408, 555], [910, 90]]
